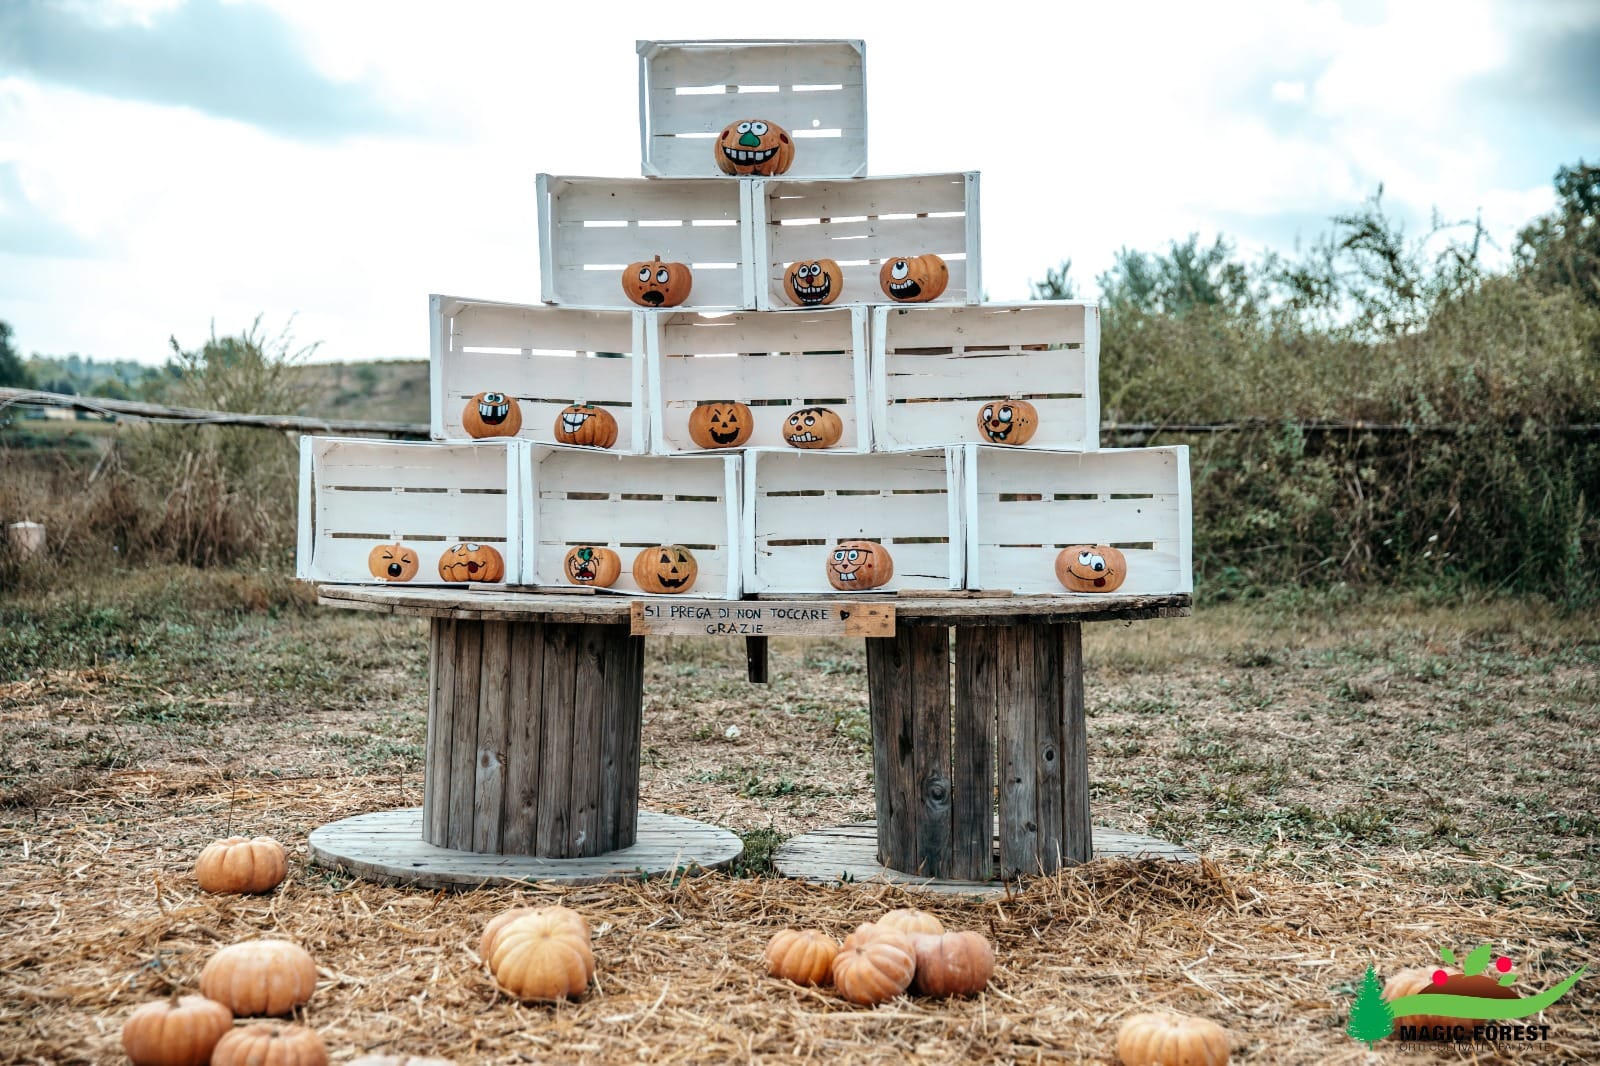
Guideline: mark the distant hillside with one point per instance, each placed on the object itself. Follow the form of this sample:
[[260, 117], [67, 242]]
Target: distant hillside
[[395, 391]]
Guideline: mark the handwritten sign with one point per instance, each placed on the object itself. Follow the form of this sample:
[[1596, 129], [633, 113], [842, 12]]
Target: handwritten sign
[[761, 618]]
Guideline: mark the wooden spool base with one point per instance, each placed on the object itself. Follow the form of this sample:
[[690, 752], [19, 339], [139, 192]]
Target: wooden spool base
[[849, 854], [388, 847]]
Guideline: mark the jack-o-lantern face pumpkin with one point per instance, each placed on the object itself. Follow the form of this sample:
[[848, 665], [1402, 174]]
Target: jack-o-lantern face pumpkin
[[588, 564], [814, 282], [916, 279], [813, 427], [492, 414], [392, 562], [856, 565], [754, 146], [666, 568], [1008, 421], [471, 562], [721, 425], [1091, 568], [657, 284], [584, 423]]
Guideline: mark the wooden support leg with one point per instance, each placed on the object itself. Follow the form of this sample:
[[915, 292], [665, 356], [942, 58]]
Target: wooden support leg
[[755, 659]]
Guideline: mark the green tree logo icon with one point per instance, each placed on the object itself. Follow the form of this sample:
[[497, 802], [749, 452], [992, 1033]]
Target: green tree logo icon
[[1370, 1018]]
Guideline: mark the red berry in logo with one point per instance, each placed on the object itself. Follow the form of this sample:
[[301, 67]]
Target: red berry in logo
[[1503, 964], [1440, 977]]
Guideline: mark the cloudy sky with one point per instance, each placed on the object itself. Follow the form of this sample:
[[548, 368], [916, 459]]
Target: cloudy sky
[[167, 164]]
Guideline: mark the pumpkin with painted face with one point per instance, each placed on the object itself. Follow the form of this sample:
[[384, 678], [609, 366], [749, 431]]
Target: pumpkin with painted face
[[492, 414], [754, 146], [1091, 568], [657, 284], [1008, 421], [721, 425], [585, 423], [813, 282], [914, 280], [858, 565], [666, 568], [589, 564], [813, 427], [462, 563], [392, 562]]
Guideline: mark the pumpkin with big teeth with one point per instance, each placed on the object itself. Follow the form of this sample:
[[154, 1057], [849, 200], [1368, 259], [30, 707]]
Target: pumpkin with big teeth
[[492, 414], [915, 279], [721, 425], [584, 423], [814, 282], [813, 427], [1091, 568], [859, 565], [666, 568], [589, 564], [1008, 421], [754, 146], [472, 562]]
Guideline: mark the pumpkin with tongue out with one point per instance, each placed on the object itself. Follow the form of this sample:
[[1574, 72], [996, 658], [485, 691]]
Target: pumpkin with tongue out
[[1091, 568]]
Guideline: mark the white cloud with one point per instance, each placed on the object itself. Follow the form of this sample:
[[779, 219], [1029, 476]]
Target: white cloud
[[1288, 92]]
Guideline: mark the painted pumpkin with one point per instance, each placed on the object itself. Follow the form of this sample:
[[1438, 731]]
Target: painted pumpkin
[[952, 964], [666, 568], [240, 865], [180, 1031], [878, 970], [814, 282], [916, 279], [721, 425], [1008, 421], [462, 563], [588, 564], [585, 423], [1151, 1039], [657, 284], [492, 414], [392, 562], [543, 955], [754, 146], [803, 956], [858, 565], [1091, 568], [813, 427], [271, 1044], [260, 977]]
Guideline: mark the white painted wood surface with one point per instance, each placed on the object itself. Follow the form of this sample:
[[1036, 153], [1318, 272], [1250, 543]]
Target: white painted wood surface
[[546, 357], [356, 494], [799, 504], [775, 363], [1023, 506], [592, 228], [570, 496], [859, 224], [690, 90], [934, 367]]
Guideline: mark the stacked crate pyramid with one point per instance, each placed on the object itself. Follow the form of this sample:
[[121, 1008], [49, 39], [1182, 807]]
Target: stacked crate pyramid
[[907, 380]]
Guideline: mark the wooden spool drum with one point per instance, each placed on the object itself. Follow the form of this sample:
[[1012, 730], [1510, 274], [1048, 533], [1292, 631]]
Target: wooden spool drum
[[533, 738]]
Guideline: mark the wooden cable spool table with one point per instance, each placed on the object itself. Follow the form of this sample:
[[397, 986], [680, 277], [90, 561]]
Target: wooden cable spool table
[[534, 723]]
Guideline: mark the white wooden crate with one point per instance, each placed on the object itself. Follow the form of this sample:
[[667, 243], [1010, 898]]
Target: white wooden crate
[[773, 362], [798, 504], [546, 357], [356, 494], [571, 496], [690, 90], [934, 367], [1023, 506], [591, 228], [859, 223]]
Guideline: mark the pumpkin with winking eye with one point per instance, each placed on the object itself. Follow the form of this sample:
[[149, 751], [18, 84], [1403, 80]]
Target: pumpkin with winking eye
[[591, 564], [666, 568], [754, 147], [586, 423]]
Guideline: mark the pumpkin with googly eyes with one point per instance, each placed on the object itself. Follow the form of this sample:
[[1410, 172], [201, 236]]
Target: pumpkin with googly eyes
[[915, 279], [1091, 568], [657, 284], [492, 414], [666, 568], [590, 564], [392, 562], [721, 425], [754, 147], [858, 565], [813, 427], [813, 282], [462, 563], [1008, 421]]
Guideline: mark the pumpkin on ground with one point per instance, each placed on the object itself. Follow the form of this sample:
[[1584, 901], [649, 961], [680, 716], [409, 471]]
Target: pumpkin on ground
[[876, 970], [392, 562], [754, 146], [803, 956], [238, 864], [543, 955], [270, 977], [814, 282], [180, 1031], [911, 921], [721, 425], [586, 424], [952, 964], [657, 284], [1172, 1040], [591, 564], [1420, 979], [859, 565], [492, 414], [813, 427], [1008, 421], [271, 1044], [914, 279], [1091, 568], [462, 563]]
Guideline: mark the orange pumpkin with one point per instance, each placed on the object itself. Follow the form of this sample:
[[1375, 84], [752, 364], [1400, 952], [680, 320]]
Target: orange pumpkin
[[1419, 979], [492, 414], [657, 284], [911, 921], [1091, 568], [260, 977], [472, 562], [802, 956], [914, 279], [588, 564], [585, 423], [179, 1031], [814, 282], [875, 971], [858, 565], [813, 427], [240, 865], [542, 955], [754, 146], [1169, 1039], [1008, 421], [721, 425], [666, 568], [952, 964], [271, 1044], [392, 562]]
